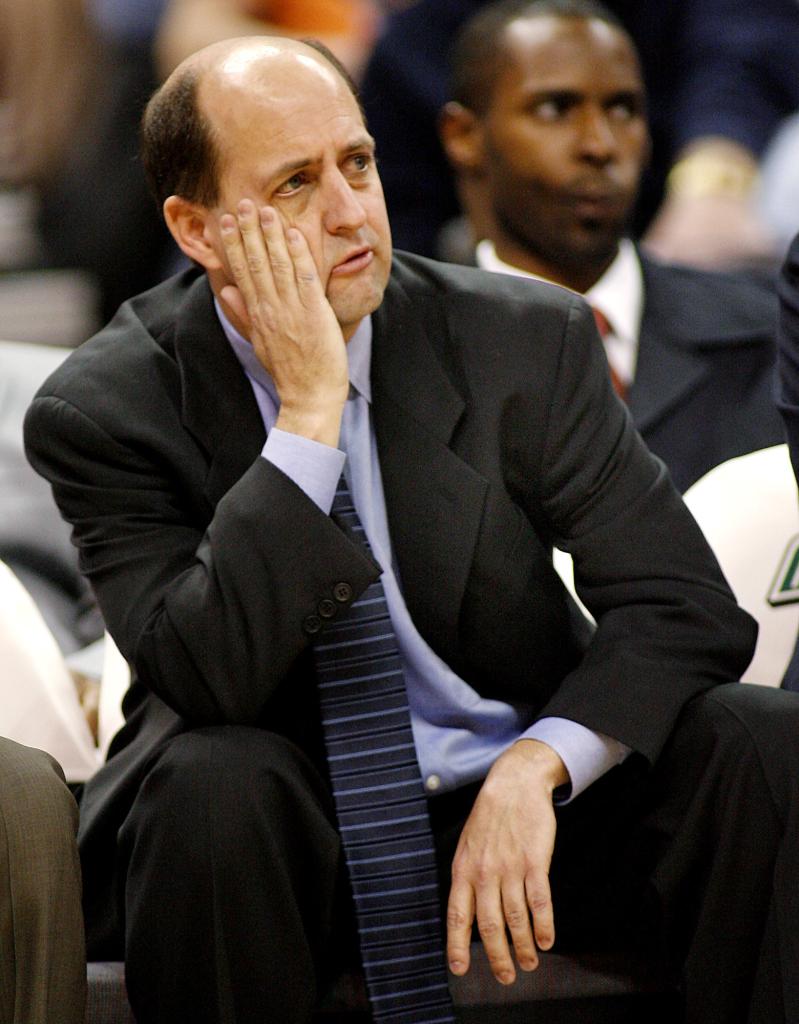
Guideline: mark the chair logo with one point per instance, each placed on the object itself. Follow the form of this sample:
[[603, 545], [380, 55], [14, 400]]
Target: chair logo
[[785, 588]]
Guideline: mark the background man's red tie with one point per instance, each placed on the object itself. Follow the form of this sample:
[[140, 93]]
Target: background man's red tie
[[604, 328]]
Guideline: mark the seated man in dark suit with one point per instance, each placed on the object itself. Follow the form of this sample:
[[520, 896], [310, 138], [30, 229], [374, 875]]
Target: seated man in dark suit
[[315, 486], [42, 956], [547, 133]]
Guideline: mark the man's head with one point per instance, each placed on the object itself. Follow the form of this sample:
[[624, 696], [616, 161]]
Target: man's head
[[276, 121], [547, 132]]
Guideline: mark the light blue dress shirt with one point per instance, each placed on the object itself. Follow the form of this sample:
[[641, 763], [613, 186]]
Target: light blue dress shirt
[[458, 733]]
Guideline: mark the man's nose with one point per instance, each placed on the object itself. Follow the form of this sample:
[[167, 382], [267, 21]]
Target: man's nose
[[344, 211], [596, 140]]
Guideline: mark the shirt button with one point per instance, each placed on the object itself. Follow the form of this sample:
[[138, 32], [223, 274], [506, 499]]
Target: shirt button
[[312, 624], [432, 783], [342, 592], [326, 608]]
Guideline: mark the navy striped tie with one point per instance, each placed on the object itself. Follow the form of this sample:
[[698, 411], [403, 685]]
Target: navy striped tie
[[381, 806]]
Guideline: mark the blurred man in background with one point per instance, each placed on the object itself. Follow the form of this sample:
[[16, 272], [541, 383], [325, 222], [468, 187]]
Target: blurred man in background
[[547, 133]]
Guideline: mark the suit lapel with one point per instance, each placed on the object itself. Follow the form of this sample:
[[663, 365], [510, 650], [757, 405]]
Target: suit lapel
[[219, 408], [670, 367], [434, 500]]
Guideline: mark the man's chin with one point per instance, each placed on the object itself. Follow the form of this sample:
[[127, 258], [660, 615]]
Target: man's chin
[[350, 314], [593, 243], [353, 299]]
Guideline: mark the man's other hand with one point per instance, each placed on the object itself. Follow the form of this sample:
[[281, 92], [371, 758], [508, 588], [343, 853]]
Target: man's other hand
[[500, 874]]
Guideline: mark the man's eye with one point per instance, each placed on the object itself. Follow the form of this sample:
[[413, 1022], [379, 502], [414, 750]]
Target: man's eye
[[291, 184], [624, 110], [550, 110], [360, 161]]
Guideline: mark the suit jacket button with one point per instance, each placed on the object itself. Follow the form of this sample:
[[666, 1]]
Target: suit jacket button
[[342, 592], [326, 608], [312, 624]]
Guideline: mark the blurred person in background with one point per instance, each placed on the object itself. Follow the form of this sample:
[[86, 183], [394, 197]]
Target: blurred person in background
[[547, 134], [719, 76], [72, 87]]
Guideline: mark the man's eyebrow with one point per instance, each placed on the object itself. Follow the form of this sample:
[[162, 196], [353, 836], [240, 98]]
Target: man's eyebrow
[[364, 141], [562, 92], [554, 92], [627, 95]]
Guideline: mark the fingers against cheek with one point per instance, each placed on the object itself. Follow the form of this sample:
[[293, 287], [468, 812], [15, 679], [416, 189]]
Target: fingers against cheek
[[240, 295], [258, 261], [308, 283], [274, 239]]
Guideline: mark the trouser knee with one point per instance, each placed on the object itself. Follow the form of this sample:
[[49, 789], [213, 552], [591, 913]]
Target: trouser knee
[[232, 869], [37, 810], [753, 728], [235, 788]]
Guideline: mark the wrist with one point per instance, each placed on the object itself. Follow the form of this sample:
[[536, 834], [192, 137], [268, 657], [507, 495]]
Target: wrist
[[537, 762], [545, 760], [320, 422]]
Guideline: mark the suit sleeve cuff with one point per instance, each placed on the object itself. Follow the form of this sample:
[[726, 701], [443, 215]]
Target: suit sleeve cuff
[[315, 468], [586, 754]]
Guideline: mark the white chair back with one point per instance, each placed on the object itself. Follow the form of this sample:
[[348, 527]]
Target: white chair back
[[114, 683], [749, 512]]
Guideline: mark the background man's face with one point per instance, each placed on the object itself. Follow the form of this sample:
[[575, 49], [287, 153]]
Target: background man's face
[[291, 136], [565, 139]]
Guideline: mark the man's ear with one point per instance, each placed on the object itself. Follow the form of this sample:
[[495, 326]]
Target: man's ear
[[194, 229], [461, 133]]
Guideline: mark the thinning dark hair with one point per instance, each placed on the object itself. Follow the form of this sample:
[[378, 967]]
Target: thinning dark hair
[[180, 149], [478, 56]]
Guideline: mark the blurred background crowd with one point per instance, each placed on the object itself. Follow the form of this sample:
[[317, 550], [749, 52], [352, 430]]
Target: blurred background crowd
[[721, 77]]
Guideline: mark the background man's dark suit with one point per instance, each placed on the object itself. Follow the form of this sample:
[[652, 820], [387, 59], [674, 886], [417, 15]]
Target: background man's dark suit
[[496, 437], [704, 382]]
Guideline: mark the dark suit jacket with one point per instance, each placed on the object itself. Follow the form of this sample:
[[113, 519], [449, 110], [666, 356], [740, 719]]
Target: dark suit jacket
[[704, 387], [497, 432]]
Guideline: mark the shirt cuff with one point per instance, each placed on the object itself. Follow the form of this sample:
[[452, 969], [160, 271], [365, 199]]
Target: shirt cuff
[[586, 754], [314, 467]]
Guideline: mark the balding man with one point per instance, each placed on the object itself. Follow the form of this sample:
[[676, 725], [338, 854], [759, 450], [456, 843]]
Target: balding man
[[197, 446]]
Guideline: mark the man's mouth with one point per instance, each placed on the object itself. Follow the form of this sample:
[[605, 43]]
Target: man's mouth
[[354, 263], [596, 199]]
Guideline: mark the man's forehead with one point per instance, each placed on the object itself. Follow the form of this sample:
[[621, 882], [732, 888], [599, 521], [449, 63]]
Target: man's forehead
[[271, 109], [268, 72], [261, 88], [544, 44]]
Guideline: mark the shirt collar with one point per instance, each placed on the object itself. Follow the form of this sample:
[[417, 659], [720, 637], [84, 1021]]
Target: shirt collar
[[359, 356], [619, 293]]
